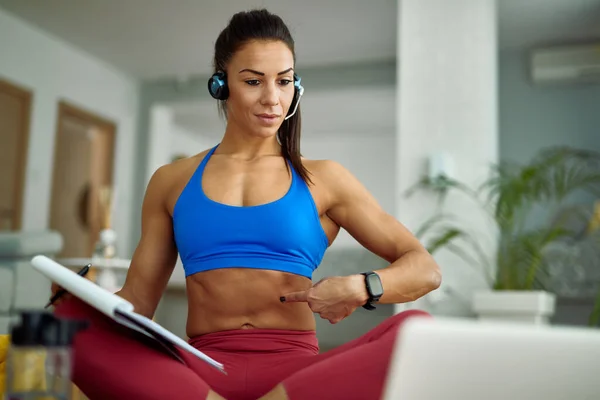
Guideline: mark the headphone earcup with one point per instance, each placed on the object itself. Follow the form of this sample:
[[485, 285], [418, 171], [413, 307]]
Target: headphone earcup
[[298, 91], [217, 86]]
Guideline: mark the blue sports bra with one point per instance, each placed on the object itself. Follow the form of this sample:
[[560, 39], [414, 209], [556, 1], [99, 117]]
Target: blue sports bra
[[284, 235]]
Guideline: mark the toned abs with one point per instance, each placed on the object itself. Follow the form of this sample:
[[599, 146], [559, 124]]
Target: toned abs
[[244, 298]]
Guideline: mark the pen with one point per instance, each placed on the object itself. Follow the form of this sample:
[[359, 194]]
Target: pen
[[61, 292]]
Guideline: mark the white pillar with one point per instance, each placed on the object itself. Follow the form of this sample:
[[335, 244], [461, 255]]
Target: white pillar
[[161, 122], [447, 103]]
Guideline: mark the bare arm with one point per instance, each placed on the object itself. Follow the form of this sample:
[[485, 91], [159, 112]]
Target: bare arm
[[156, 254], [412, 272]]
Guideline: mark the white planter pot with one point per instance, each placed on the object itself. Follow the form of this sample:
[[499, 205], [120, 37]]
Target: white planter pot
[[533, 307]]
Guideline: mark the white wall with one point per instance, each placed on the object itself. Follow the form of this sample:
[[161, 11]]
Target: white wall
[[54, 71], [187, 142]]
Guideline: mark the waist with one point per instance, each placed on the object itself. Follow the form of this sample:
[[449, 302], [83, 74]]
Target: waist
[[258, 341], [233, 298]]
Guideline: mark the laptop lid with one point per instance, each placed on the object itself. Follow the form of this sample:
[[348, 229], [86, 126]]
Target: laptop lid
[[448, 359]]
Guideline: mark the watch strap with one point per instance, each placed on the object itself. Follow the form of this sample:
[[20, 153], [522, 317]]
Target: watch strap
[[372, 298]]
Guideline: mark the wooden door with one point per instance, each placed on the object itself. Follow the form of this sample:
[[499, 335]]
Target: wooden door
[[15, 106], [83, 166]]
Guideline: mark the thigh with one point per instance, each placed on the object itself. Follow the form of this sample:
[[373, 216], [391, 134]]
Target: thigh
[[388, 327], [355, 370], [112, 362]]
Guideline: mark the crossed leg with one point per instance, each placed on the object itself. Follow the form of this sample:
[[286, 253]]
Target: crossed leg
[[110, 363], [355, 370]]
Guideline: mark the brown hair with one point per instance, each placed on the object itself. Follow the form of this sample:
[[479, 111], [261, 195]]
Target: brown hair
[[262, 25]]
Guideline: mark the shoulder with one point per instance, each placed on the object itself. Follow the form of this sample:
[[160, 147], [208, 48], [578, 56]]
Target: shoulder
[[332, 175], [327, 171]]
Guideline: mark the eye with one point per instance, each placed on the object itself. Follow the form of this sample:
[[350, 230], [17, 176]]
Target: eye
[[252, 82], [285, 82]]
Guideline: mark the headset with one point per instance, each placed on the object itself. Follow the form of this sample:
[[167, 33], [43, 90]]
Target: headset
[[217, 87]]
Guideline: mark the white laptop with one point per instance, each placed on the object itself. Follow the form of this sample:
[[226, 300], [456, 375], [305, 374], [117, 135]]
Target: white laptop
[[453, 359]]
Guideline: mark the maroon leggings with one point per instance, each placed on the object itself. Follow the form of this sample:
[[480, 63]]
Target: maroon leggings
[[112, 362]]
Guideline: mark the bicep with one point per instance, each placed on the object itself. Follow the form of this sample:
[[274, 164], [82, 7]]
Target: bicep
[[358, 212], [156, 254]]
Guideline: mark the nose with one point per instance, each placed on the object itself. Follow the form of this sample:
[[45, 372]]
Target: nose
[[270, 95]]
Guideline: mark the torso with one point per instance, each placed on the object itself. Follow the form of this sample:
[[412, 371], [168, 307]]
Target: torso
[[241, 298]]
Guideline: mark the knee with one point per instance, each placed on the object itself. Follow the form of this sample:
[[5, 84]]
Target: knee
[[392, 325], [397, 320]]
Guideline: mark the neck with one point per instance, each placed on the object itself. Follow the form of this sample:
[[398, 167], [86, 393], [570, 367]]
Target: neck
[[236, 142]]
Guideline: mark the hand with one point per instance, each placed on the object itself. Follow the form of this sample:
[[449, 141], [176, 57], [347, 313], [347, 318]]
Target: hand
[[333, 298], [65, 296], [54, 289]]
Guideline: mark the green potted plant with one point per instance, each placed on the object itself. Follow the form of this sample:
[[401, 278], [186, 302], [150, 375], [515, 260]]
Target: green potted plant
[[518, 274]]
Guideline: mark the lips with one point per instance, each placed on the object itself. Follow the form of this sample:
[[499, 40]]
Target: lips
[[268, 119]]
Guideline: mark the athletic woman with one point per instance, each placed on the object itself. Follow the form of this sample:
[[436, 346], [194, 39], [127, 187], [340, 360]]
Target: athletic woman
[[251, 220]]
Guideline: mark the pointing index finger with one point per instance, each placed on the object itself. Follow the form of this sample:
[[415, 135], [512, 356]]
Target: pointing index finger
[[295, 297]]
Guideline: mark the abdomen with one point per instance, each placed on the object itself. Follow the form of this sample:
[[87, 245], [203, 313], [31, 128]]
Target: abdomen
[[245, 298]]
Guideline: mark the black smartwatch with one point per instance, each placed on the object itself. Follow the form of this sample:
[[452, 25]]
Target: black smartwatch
[[374, 289]]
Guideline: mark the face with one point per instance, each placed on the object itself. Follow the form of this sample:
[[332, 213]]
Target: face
[[261, 87]]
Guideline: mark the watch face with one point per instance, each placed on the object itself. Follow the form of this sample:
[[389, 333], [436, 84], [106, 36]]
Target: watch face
[[375, 285]]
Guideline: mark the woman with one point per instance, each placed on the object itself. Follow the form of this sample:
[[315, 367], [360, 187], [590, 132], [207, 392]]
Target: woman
[[251, 220]]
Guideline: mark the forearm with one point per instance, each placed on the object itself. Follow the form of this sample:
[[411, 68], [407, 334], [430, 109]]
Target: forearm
[[145, 284], [410, 277], [139, 306]]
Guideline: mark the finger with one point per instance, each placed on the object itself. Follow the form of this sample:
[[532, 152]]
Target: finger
[[295, 297], [62, 299], [54, 288], [332, 320]]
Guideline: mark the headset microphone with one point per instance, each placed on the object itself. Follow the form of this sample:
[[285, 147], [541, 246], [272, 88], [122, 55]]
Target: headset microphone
[[300, 93]]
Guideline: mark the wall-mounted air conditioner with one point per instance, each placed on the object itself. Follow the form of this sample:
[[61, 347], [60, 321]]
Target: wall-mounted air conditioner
[[566, 64]]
